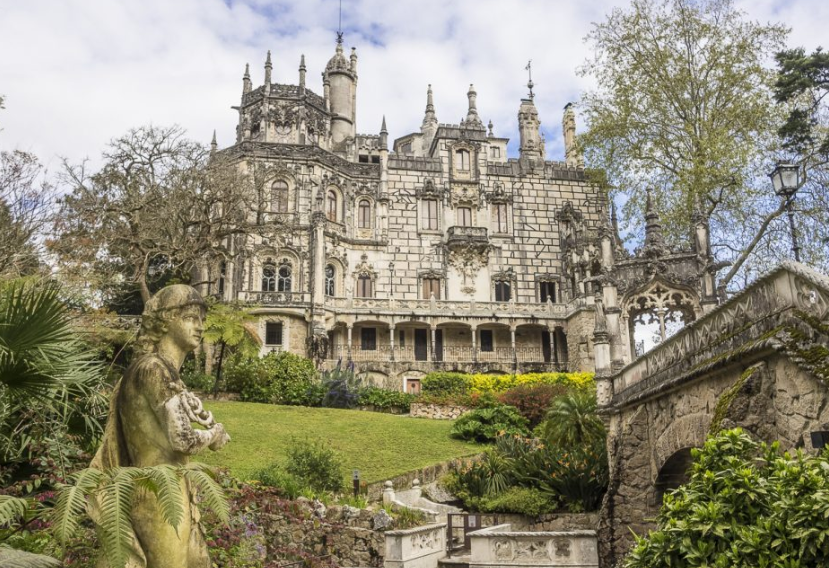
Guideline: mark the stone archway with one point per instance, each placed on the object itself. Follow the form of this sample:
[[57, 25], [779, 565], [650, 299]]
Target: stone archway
[[684, 432], [672, 474]]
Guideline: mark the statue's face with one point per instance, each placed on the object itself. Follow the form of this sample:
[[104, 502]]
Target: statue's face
[[186, 329]]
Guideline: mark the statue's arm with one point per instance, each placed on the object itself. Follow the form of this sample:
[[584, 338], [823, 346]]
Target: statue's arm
[[171, 404]]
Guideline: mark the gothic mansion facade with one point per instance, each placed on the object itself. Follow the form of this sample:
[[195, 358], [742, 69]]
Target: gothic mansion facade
[[436, 253]]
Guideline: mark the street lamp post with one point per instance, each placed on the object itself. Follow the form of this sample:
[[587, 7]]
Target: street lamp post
[[786, 181]]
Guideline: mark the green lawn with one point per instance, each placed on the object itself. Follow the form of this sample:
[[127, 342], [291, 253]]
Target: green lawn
[[379, 445]]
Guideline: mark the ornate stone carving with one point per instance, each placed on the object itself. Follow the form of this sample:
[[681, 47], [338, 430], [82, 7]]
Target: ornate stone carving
[[468, 259], [502, 549], [531, 549]]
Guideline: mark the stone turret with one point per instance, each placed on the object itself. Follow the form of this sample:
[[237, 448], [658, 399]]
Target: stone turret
[[430, 122], [340, 75], [472, 118], [384, 135], [654, 238], [568, 127]]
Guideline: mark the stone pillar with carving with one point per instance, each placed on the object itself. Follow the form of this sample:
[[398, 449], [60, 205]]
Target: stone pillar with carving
[[601, 352]]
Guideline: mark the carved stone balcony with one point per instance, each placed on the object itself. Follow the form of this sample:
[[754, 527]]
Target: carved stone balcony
[[458, 237]]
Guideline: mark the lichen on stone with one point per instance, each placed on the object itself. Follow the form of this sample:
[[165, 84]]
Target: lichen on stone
[[727, 398]]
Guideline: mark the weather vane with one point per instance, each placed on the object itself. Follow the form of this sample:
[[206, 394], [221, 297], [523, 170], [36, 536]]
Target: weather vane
[[530, 83], [340, 25]]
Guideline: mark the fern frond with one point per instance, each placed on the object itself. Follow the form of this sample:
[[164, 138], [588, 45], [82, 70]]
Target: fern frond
[[203, 478], [71, 503], [167, 482], [116, 504], [12, 509]]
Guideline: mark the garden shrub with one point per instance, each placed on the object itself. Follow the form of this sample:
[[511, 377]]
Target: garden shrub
[[278, 378], [385, 399], [746, 504], [485, 424], [340, 387], [532, 400], [315, 463], [442, 383], [274, 475], [572, 420], [521, 500]]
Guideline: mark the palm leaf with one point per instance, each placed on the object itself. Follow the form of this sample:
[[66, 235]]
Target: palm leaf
[[166, 485], [12, 509], [202, 477], [115, 523], [72, 501]]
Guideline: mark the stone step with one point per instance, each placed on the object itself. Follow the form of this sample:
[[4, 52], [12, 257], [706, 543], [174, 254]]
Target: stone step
[[456, 561]]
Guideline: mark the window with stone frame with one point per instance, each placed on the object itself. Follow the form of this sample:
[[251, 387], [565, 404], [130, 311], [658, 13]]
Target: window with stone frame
[[500, 222], [364, 214], [331, 205], [429, 214], [495, 151], [462, 160], [503, 290], [269, 277], [368, 339], [279, 196], [283, 278], [487, 343], [430, 287], [546, 291], [464, 216], [273, 333], [365, 286], [330, 280], [402, 338]]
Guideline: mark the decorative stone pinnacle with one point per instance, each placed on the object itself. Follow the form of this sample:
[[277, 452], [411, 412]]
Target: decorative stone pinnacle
[[430, 104], [247, 71], [489, 126], [302, 61], [268, 60], [383, 126], [530, 83]]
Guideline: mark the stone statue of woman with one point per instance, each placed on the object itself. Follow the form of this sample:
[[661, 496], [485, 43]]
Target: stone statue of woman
[[151, 423]]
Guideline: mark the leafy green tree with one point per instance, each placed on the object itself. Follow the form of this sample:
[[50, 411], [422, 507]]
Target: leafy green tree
[[683, 107], [572, 421], [50, 382], [803, 82], [746, 504], [230, 326]]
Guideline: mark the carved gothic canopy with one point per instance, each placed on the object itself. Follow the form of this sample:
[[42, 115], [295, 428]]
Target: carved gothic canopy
[[429, 190]]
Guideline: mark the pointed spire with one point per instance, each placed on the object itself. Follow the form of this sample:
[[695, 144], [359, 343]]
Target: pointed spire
[[472, 118], [430, 103], [246, 84], [430, 119], [268, 68], [213, 144], [384, 135], [302, 72]]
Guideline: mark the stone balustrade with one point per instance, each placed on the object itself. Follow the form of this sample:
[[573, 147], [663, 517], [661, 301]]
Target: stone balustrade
[[500, 547], [420, 547]]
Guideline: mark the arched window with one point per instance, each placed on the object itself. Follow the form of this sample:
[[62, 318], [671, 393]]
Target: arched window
[[365, 288], [331, 205], [268, 277], [330, 282], [279, 196], [462, 160], [364, 214], [283, 280]]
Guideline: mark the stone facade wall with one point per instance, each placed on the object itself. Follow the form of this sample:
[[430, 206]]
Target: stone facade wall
[[437, 411], [580, 340]]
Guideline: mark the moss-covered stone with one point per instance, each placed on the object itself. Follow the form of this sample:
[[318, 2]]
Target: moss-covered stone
[[727, 398]]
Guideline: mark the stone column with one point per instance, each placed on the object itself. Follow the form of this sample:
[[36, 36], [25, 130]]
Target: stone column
[[391, 342], [512, 344], [434, 339], [349, 328], [474, 330], [553, 352]]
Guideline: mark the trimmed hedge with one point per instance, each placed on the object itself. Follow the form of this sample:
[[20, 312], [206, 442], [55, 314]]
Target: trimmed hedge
[[446, 384]]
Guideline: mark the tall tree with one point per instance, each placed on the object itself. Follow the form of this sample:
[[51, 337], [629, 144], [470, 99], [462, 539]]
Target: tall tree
[[161, 202], [683, 106], [26, 202]]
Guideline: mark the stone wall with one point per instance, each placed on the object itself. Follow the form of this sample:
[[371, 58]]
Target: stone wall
[[425, 475], [437, 411]]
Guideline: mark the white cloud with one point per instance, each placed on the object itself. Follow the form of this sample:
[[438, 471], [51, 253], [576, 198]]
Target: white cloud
[[76, 73]]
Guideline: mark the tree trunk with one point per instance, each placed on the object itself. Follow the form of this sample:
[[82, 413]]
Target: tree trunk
[[143, 288], [219, 369]]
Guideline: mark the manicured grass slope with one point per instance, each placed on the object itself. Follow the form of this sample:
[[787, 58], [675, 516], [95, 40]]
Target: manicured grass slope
[[379, 445]]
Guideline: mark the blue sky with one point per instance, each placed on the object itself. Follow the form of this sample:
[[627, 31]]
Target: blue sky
[[76, 73]]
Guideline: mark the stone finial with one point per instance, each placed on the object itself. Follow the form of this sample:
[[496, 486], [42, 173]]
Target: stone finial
[[353, 59], [489, 127], [654, 238], [246, 84], [384, 135], [430, 103], [472, 118], [213, 144], [568, 128]]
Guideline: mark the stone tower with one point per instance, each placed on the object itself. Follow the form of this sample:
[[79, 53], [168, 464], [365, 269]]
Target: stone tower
[[568, 127], [529, 129], [340, 84]]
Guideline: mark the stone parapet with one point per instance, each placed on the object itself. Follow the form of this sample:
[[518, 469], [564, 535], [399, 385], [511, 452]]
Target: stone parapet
[[420, 547], [501, 547]]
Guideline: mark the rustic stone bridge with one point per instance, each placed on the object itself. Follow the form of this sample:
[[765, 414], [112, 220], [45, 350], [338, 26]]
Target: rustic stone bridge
[[759, 361]]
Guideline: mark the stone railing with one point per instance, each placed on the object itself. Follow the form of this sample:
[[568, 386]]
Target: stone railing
[[275, 298], [460, 235], [449, 354], [789, 287], [501, 547], [446, 307], [420, 547]]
